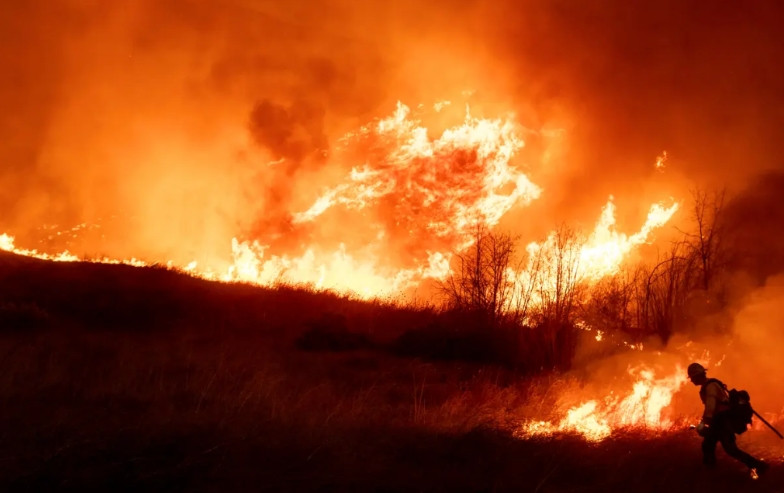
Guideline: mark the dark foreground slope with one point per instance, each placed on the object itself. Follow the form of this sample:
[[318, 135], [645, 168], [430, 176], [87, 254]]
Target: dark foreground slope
[[121, 379]]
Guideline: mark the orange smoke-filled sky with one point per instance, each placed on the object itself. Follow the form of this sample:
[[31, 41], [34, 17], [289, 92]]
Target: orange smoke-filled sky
[[193, 122]]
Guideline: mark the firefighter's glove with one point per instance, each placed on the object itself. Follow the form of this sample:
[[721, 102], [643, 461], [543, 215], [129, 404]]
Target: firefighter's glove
[[702, 429]]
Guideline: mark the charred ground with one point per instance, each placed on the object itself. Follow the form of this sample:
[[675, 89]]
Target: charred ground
[[121, 378]]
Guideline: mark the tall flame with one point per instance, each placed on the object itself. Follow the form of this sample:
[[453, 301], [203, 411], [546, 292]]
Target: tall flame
[[423, 193], [413, 201], [600, 255], [606, 248]]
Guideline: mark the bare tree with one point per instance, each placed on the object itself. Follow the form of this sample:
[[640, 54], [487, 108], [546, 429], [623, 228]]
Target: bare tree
[[665, 290], [526, 285], [559, 280], [481, 281], [707, 242], [610, 304], [559, 288]]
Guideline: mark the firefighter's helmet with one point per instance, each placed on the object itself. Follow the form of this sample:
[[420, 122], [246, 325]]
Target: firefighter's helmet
[[695, 369]]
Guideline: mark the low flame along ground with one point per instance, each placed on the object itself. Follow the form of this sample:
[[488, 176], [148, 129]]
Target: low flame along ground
[[644, 407], [439, 190]]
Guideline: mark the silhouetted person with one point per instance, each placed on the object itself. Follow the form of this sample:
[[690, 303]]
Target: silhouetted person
[[715, 425]]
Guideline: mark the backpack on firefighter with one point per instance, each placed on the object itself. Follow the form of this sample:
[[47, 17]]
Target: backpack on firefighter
[[739, 412]]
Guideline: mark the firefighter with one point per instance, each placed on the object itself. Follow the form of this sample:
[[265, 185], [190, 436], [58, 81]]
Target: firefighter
[[715, 425]]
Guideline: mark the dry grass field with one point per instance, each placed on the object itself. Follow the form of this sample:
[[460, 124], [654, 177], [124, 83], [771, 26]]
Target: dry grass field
[[115, 378]]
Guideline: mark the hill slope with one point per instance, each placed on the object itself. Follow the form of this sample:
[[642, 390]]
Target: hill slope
[[123, 378]]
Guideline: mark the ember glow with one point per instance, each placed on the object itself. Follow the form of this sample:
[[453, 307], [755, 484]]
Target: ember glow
[[641, 407], [661, 161]]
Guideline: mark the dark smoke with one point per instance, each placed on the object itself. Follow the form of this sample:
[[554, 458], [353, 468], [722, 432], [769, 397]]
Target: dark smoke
[[755, 228], [291, 133]]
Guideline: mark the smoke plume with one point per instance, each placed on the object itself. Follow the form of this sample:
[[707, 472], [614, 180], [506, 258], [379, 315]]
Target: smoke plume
[[177, 125]]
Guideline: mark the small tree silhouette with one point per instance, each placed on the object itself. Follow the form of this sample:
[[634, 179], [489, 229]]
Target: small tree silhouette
[[560, 290], [481, 281]]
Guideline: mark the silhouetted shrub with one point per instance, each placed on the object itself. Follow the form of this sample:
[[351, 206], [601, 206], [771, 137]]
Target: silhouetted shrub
[[330, 333], [460, 335], [20, 316], [472, 336]]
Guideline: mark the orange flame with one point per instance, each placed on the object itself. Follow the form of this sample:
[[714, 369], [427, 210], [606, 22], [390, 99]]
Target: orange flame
[[601, 254], [7, 244], [606, 248], [438, 190], [419, 199], [459, 176], [643, 407], [661, 161]]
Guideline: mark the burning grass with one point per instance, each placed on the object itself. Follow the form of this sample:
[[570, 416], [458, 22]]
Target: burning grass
[[205, 389]]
